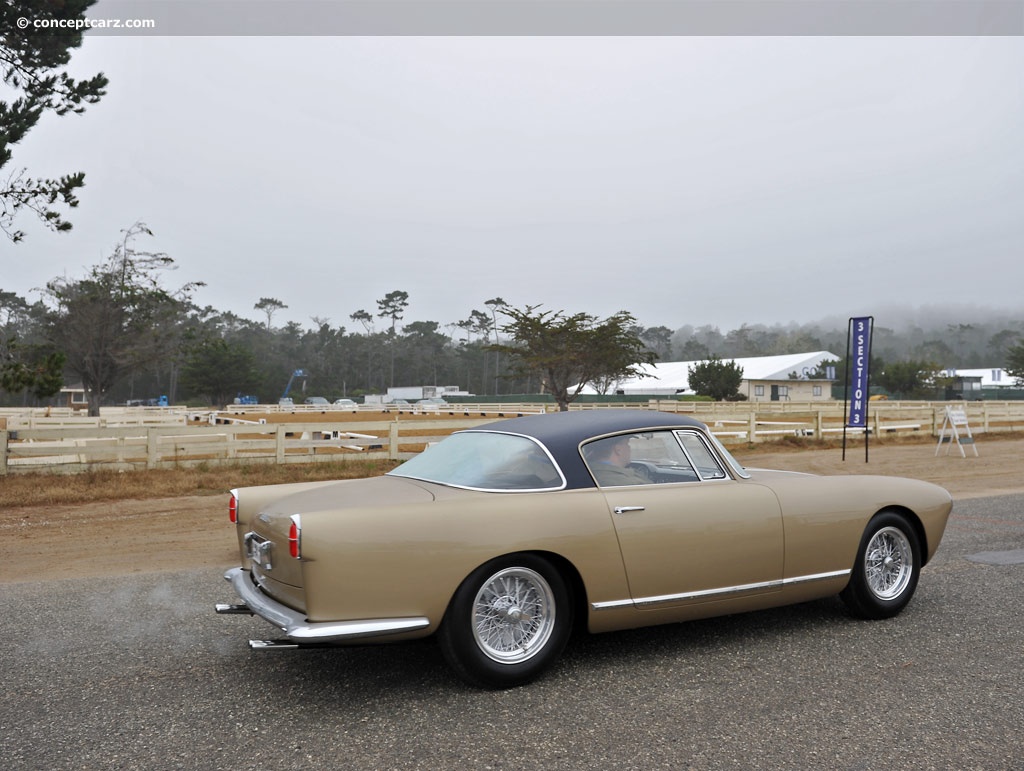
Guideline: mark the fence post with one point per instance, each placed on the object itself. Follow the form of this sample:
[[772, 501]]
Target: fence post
[[393, 440], [279, 433], [151, 453], [3, 452], [752, 427], [819, 424]]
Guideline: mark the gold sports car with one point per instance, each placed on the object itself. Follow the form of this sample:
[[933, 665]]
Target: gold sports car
[[501, 540]]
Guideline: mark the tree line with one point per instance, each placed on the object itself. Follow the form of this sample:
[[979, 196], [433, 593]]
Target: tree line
[[123, 335]]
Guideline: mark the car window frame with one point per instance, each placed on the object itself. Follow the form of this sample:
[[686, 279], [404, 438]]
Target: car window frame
[[727, 465], [709, 448], [668, 433]]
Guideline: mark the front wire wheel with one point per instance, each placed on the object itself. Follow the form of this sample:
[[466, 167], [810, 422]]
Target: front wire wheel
[[888, 565], [507, 623], [514, 614]]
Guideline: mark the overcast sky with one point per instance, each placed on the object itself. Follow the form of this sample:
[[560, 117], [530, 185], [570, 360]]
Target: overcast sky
[[687, 180]]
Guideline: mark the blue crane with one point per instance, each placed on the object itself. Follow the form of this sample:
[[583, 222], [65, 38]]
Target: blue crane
[[299, 373]]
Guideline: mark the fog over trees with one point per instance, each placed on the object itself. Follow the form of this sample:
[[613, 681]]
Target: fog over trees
[[963, 337]]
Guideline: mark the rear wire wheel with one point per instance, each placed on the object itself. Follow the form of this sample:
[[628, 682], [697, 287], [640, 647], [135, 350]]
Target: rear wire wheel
[[887, 568], [507, 623]]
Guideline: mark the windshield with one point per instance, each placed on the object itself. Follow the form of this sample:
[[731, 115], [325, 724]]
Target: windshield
[[485, 460]]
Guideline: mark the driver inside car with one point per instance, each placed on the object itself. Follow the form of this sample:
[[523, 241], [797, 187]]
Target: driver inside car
[[609, 461]]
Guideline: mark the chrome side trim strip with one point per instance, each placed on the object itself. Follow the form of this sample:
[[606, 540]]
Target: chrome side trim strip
[[817, 577], [297, 628], [611, 605], [761, 586], [645, 602]]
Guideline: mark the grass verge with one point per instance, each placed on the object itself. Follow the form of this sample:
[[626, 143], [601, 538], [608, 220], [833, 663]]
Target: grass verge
[[41, 489]]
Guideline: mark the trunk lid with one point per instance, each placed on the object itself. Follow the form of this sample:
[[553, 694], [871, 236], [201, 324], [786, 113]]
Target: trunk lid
[[268, 542]]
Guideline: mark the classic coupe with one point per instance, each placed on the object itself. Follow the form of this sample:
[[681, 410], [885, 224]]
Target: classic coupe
[[503, 539]]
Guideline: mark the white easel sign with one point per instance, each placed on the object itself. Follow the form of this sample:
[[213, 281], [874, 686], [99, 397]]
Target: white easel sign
[[955, 428]]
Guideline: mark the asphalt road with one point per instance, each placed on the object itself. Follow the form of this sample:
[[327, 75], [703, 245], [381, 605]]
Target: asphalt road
[[139, 673]]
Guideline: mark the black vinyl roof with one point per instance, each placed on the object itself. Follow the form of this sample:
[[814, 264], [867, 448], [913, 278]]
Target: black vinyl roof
[[563, 432]]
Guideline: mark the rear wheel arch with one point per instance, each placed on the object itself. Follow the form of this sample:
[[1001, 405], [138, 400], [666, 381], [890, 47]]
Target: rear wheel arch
[[566, 569], [577, 589]]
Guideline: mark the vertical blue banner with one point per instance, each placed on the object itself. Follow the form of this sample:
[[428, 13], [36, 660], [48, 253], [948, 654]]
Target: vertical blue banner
[[859, 356]]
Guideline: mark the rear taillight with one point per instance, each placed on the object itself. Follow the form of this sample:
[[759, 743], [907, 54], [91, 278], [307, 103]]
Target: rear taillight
[[233, 509], [295, 538]]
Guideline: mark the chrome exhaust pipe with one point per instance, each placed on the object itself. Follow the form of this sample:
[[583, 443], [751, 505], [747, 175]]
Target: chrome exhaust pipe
[[228, 609], [277, 645]]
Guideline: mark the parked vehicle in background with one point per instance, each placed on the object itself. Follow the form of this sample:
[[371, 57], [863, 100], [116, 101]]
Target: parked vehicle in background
[[160, 401], [435, 403], [318, 401], [347, 404]]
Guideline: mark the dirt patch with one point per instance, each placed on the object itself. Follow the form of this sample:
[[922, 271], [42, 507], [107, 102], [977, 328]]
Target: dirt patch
[[123, 537], [998, 469], [115, 538]]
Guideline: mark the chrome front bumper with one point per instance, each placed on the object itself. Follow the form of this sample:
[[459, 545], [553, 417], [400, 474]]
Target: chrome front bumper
[[297, 628]]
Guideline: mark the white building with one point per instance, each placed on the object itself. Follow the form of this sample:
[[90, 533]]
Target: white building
[[765, 378], [968, 383], [415, 393]]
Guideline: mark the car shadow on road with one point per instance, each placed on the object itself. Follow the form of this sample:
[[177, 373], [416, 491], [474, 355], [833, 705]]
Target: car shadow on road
[[351, 675]]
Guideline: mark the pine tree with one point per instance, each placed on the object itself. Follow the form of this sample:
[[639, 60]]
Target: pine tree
[[32, 59]]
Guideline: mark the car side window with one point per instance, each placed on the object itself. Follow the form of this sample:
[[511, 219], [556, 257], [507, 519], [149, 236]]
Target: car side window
[[703, 458], [653, 457]]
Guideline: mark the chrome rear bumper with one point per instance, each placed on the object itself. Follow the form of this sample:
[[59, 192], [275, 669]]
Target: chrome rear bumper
[[297, 628]]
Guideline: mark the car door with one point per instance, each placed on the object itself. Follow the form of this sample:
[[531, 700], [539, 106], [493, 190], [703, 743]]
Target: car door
[[713, 538]]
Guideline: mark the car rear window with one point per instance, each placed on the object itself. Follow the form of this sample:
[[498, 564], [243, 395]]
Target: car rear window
[[485, 460]]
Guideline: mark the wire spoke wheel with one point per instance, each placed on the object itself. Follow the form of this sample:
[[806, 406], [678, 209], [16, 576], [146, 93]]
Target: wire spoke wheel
[[884, 577], [513, 615], [888, 563], [508, 621]]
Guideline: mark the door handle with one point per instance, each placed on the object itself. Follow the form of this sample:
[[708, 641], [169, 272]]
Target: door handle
[[627, 509]]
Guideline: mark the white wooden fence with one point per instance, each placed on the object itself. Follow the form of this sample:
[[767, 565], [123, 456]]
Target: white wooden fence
[[169, 438], [132, 447]]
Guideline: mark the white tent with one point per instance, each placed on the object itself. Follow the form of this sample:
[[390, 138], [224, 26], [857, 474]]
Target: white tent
[[672, 377]]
